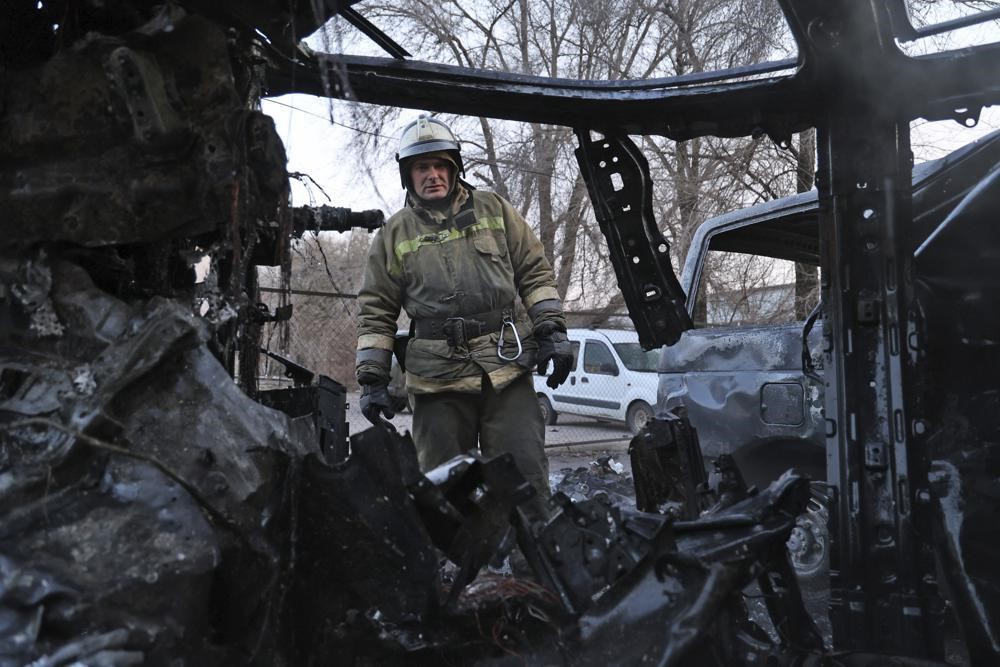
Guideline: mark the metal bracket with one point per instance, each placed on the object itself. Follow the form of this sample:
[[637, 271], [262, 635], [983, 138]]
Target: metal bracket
[[617, 177]]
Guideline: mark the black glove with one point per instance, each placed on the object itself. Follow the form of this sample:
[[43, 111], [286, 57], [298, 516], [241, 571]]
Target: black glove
[[375, 402], [553, 346]]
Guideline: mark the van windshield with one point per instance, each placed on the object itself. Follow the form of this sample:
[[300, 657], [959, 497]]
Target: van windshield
[[637, 359]]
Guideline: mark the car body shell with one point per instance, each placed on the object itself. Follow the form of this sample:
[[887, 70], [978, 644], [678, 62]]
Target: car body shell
[[743, 387]]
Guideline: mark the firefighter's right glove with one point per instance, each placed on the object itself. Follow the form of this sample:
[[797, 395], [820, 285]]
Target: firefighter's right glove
[[553, 345], [375, 402]]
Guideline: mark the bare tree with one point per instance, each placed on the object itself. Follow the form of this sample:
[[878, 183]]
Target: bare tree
[[744, 289], [532, 164]]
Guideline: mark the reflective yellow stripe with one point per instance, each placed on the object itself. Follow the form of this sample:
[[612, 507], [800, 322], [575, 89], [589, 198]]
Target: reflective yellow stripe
[[445, 235], [416, 384], [471, 384]]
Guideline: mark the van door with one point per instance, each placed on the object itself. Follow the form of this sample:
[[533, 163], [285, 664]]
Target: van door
[[739, 371], [598, 381], [590, 388]]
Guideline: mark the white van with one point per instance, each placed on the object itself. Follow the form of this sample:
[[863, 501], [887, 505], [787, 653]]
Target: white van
[[615, 380]]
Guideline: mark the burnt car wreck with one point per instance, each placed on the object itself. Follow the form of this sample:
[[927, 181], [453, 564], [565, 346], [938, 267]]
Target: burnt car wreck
[[152, 511]]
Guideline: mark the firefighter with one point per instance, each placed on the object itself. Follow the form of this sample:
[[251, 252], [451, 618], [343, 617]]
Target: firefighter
[[457, 260]]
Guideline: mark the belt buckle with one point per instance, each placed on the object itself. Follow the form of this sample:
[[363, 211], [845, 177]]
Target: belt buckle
[[454, 331]]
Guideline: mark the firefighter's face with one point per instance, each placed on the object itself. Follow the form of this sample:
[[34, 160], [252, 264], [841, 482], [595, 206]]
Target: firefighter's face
[[431, 178]]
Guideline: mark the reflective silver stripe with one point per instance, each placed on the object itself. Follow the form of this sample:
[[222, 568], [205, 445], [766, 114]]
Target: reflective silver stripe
[[378, 355], [380, 341]]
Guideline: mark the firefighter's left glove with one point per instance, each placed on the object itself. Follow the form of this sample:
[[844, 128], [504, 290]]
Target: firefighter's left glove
[[375, 402], [554, 346]]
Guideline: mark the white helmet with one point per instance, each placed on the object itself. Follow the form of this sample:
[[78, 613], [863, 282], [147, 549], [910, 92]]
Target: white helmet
[[422, 136]]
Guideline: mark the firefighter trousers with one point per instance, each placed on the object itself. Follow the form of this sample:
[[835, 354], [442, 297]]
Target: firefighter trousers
[[451, 423]]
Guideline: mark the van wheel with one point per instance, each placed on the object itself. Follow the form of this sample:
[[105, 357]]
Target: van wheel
[[549, 415], [809, 542], [638, 414]]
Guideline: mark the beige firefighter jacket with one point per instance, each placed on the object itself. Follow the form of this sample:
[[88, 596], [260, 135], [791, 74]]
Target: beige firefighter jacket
[[421, 263]]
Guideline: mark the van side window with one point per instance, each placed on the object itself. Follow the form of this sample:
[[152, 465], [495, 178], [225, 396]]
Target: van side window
[[739, 289], [597, 359], [575, 345]]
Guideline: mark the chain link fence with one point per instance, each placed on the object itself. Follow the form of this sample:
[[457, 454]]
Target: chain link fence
[[322, 337]]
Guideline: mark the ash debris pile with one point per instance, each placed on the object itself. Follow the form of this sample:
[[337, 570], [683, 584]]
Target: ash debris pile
[[602, 476]]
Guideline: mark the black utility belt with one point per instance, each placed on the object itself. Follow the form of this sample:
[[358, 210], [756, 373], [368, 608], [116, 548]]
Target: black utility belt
[[463, 327]]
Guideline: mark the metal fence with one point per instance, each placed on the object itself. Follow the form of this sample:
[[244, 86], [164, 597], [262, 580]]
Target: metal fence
[[321, 336]]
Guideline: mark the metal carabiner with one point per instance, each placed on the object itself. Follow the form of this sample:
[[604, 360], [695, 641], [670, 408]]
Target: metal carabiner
[[508, 321]]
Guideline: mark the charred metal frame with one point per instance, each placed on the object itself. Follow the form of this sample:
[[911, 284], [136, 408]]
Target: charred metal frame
[[617, 177], [273, 503], [853, 84], [727, 103]]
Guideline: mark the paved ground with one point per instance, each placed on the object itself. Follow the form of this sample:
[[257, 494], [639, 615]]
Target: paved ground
[[572, 442]]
